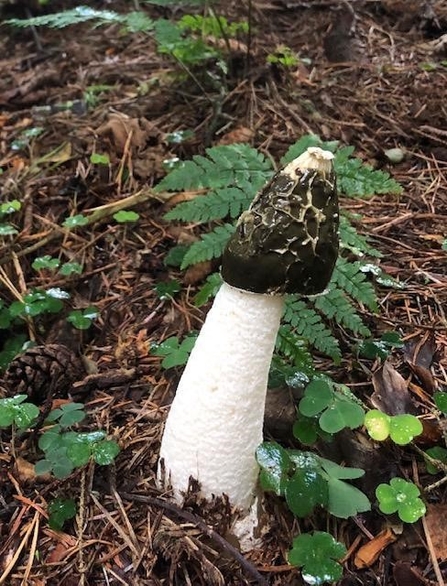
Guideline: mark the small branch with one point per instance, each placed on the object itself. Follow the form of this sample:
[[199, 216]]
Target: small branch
[[96, 215], [200, 524]]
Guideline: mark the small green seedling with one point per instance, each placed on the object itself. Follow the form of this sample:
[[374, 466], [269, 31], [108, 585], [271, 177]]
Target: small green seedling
[[283, 55], [126, 217], [65, 451], [167, 289], [334, 411], [39, 302], [59, 511], [46, 262], [82, 318], [99, 159], [15, 410], [175, 353], [401, 497], [306, 480], [50, 263], [317, 554], [381, 348], [6, 209], [75, 221], [402, 429]]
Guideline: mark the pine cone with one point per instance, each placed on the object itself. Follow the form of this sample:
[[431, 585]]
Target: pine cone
[[44, 372]]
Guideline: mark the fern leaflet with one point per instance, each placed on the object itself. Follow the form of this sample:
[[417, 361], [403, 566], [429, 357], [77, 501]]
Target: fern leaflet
[[349, 276], [228, 165], [356, 179], [353, 241], [295, 347], [215, 205], [335, 305], [308, 324], [210, 246], [133, 21]]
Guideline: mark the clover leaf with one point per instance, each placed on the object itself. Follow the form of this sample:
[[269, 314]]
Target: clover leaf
[[335, 410], [175, 353], [400, 428], [275, 465], [59, 511], [317, 554], [401, 497]]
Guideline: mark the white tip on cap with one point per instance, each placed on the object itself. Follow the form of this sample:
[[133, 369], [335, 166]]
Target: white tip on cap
[[312, 158]]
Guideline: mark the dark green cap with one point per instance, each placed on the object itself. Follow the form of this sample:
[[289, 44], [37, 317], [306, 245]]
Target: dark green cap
[[287, 241]]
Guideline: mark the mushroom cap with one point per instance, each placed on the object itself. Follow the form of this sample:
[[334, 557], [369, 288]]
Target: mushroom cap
[[287, 241]]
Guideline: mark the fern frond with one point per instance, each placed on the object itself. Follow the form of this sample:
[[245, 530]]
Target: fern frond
[[335, 305], [210, 246], [355, 242], [133, 21], [349, 277], [295, 347], [308, 324], [215, 205], [356, 179], [236, 165]]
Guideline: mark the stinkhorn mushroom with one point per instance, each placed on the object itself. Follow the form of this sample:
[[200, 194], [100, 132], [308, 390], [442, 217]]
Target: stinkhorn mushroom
[[287, 242]]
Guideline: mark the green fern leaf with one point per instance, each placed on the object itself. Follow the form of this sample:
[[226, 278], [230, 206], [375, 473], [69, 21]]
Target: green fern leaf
[[349, 277], [351, 240], [309, 325], [356, 179], [210, 246], [215, 205], [293, 346], [237, 165], [133, 21], [335, 305]]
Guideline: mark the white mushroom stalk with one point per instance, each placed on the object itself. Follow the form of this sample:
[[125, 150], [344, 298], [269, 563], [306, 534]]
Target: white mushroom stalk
[[286, 242]]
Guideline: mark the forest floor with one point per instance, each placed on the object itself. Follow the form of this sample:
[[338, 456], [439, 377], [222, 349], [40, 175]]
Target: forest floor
[[375, 82]]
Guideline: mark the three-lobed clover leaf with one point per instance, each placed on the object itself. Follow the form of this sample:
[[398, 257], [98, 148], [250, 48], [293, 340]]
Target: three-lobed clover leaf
[[335, 411], [175, 353], [402, 429], [60, 510], [317, 554], [401, 497], [16, 410], [82, 318], [307, 480]]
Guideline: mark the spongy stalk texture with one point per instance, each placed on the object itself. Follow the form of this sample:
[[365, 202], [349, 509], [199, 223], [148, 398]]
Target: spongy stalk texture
[[215, 422]]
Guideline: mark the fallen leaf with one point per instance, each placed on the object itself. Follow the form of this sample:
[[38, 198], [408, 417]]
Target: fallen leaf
[[198, 272], [24, 470], [419, 353], [391, 394], [240, 134], [368, 553]]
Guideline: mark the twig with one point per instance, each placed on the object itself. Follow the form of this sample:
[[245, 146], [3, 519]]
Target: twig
[[198, 522], [96, 215]]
